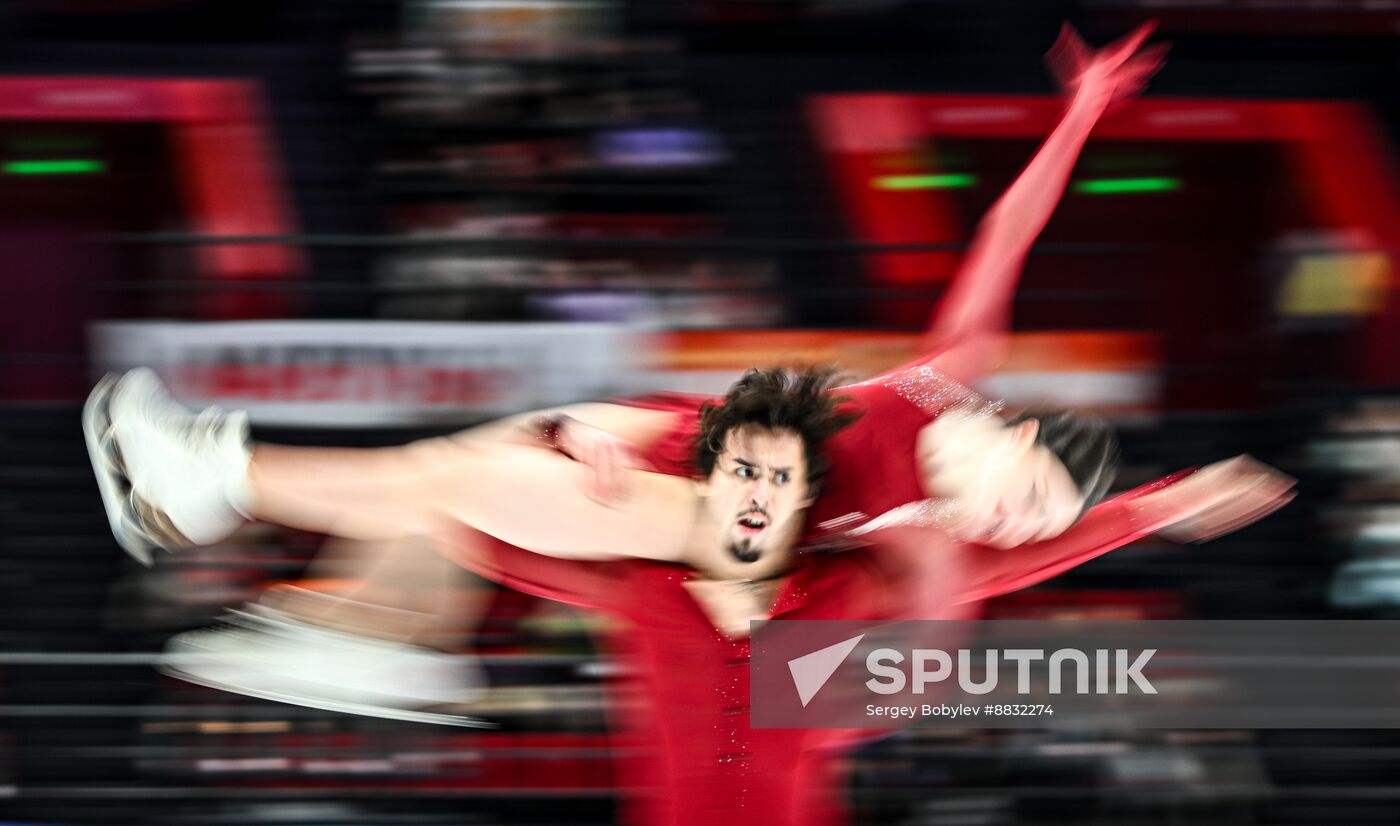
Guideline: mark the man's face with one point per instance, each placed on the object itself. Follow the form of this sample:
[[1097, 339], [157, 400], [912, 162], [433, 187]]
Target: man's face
[[757, 494]]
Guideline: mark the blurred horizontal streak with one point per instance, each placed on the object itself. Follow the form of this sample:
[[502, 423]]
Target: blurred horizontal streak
[[171, 286], [1047, 750], [656, 53], [550, 190], [268, 562], [813, 246], [177, 792], [229, 750], [54, 167], [527, 660], [202, 713], [46, 658], [1169, 793], [42, 358], [28, 474], [1174, 793], [1000, 751], [275, 712]]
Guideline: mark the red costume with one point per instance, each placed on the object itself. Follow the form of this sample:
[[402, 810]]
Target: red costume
[[691, 756]]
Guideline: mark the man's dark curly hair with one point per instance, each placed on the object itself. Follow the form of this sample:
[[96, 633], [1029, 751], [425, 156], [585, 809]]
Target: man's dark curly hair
[[776, 398], [1086, 445]]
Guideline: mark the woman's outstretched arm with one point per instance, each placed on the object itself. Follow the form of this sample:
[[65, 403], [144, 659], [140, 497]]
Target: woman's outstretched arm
[[966, 337], [1187, 506]]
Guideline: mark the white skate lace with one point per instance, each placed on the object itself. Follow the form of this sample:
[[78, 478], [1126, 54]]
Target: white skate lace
[[193, 431]]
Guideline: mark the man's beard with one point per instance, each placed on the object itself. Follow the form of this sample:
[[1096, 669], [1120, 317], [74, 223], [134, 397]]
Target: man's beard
[[744, 551]]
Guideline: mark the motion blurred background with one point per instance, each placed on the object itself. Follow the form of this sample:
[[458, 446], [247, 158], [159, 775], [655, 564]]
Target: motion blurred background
[[370, 220]]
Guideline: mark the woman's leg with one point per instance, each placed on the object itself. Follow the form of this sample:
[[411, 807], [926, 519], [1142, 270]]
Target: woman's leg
[[372, 630], [400, 590], [523, 495], [169, 477]]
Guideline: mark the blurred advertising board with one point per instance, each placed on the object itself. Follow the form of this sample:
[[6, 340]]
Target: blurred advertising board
[[374, 374], [1112, 373]]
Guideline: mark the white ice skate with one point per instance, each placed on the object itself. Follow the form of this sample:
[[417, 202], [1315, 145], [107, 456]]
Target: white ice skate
[[169, 478]]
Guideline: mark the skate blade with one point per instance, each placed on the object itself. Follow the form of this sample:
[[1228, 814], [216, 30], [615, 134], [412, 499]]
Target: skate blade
[[112, 482], [308, 700]]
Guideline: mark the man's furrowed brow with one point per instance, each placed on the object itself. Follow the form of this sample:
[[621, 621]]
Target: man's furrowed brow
[[754, 465]]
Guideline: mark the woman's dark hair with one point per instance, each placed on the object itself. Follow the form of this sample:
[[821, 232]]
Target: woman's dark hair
[[1086, 445], [776, 398]]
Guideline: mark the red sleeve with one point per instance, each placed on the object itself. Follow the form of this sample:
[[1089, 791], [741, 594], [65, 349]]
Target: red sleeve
[[673, 453], [928, 577], [989, 572], [586, 583]]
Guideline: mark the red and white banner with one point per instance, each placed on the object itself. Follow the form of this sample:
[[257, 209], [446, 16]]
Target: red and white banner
[[375, 374]]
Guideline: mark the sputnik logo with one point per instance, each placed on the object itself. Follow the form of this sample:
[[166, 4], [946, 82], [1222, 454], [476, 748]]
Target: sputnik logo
[[811, 671]]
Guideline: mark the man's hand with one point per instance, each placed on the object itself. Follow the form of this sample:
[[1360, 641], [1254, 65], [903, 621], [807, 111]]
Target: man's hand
[[1113, 75], [1225, 497], [606, 457]]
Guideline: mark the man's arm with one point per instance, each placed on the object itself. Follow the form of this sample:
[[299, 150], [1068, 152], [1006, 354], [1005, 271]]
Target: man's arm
[[607, 439], [968, 329], [638, 427]]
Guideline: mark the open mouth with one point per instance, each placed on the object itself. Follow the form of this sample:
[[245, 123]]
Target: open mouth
[[752, 524]]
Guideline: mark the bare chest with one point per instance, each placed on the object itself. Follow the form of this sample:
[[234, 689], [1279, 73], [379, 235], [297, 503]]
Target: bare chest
[[732, 604]]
